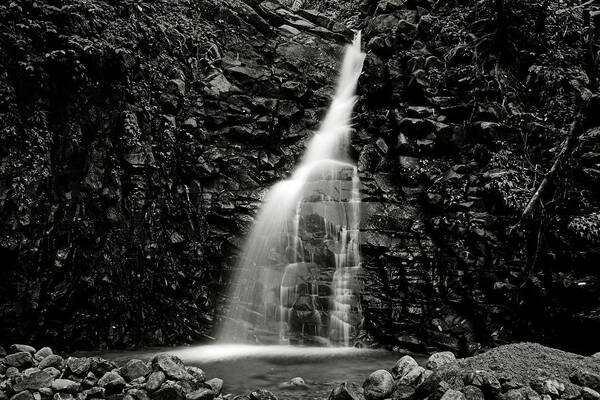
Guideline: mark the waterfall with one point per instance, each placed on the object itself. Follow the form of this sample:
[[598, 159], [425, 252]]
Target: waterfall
[[298, 275]]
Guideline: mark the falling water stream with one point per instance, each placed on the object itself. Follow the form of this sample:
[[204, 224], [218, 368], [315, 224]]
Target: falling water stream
[[298, 276]]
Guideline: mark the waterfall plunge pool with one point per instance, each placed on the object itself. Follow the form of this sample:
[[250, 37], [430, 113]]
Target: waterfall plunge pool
[[245, 368]]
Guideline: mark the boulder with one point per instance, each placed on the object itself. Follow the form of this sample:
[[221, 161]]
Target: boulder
[[589, 394], [112, 383], [52, 371], [474, 393], [155, 380], [403, 366], [33, 379], [379, 385], [548, 386], [12, 372], [197, 373], [101, 366], [46, 392], [171, 365], [169, 392], [94, 393], [42, 353], [135, 369], [436, 360], [138, 394], [414, 377], [23, 395], [62, 396], [18, 348], [79, 366], [347, 391], [89, 381], [595, 355], [65, 385], [262, 394], [20, 360], [216, 385], [52, 360], [582, 377], [201, 394], [452, 394]]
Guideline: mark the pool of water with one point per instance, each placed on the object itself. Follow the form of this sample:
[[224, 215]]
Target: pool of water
[[244, 368]]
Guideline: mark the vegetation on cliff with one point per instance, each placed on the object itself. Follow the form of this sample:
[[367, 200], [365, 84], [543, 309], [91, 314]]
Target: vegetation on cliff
[[137, 138]]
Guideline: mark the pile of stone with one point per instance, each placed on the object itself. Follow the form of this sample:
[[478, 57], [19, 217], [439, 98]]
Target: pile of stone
[[30, 374], [514, 372]]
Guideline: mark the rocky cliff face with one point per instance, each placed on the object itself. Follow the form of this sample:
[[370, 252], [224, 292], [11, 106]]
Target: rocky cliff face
[[138, 140]]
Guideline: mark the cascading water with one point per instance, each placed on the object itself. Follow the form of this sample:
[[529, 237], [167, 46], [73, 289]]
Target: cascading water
[[298, 279]]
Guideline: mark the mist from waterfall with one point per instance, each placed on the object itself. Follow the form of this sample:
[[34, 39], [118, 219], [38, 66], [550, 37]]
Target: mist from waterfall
[[298, 273]]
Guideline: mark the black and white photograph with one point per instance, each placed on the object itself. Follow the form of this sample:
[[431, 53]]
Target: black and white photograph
[[300, 199]]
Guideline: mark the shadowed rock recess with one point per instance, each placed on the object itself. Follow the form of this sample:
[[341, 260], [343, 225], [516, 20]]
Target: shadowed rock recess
[[137, 140]]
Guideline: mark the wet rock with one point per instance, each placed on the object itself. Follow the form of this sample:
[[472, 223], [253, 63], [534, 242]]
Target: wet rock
[[53, 371], [197, 373], [101, 366], [112, 383], [176, 87], [155, 380], [169, 392], [172, 366], [262, 394], [406, 31], [138, 394], [582, 377], [94, 393], [414, 377], [201, 394], [589, 394], [216, 384], [65, 385], [89, 381], [190, 123], [403, 366], [474, 393], [548, 386], [52, 360], [42, 353], [379, 385], [18, 348], [79, 366], [33, 379], [436, 360], [347, 391], [135, 369], [20, 360], [46, 392], [62, 396], [452, 394], [23, 395]]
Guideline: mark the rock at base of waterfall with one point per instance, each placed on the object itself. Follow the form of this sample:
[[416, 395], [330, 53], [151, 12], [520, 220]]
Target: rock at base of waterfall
[[379, 385], [347, 391]]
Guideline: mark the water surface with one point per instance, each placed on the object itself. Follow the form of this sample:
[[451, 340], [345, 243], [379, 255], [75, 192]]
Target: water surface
[[248, 367]]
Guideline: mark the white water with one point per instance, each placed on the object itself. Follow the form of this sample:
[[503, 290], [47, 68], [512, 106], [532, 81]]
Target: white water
[[280, 289]]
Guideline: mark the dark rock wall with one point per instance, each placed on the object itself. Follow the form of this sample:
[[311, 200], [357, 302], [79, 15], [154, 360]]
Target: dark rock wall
[[138, 140]]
